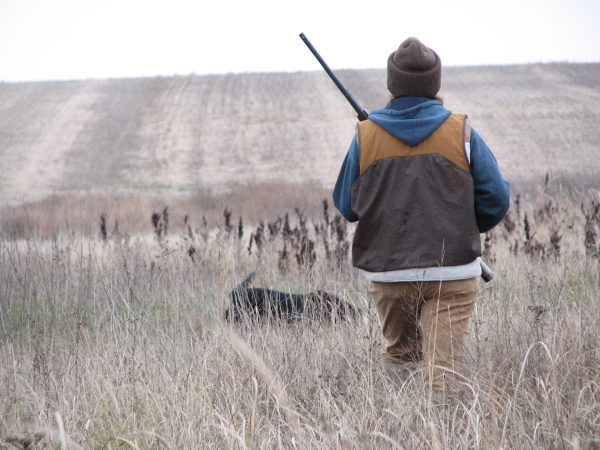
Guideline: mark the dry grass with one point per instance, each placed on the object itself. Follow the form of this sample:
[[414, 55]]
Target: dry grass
[[120, 342], [81, 214]]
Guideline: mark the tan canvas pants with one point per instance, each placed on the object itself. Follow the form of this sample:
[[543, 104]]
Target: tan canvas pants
[[424, 323]]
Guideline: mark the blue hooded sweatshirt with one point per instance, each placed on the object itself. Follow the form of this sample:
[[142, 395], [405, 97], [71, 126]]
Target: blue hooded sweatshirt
[[412, 120]]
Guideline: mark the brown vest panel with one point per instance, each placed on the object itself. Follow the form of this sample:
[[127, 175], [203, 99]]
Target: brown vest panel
[[415, 204]]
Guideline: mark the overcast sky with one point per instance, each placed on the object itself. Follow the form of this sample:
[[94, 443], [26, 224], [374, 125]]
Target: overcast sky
[[80, 39]]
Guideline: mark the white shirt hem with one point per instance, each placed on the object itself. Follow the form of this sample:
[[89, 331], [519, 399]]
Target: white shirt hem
[[471, 270]]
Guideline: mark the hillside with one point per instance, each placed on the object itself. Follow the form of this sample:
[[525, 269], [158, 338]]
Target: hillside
[[172, 135]]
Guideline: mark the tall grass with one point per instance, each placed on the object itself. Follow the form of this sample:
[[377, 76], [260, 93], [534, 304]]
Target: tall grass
[[118, 340], [65, 213]]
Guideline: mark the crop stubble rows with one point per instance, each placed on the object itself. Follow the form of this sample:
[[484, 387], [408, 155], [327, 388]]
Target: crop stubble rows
[[174, 135]]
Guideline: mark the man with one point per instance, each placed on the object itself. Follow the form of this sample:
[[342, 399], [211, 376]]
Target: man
[[422, 185]]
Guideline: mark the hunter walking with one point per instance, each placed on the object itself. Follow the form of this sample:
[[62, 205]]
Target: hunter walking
[[422, 185]]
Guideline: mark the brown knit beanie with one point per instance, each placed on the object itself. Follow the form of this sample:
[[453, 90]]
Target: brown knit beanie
[[414, 70]]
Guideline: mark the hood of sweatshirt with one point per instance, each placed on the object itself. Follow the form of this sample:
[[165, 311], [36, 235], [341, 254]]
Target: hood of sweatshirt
[[410, 119]]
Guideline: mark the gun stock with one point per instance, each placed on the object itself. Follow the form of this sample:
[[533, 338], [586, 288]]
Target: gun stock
[[486, 272]]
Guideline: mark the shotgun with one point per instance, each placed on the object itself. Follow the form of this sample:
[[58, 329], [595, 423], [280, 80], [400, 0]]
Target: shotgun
[[362, 113], [486, 272]]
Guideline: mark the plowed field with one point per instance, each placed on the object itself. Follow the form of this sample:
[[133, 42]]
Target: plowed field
[[172, 135]]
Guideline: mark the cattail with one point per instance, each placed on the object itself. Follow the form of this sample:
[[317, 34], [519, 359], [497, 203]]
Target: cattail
[[103, 233], [240, 229], [527, 227], [591, 217], [325, 212], [306, 255], [287, 231], [532, 247], [590, 238], [227, 216], [166, 219], [192, 252], [339, 226], [155, 219], [326, 245], [157, 224], [283, 261], [259, 235]]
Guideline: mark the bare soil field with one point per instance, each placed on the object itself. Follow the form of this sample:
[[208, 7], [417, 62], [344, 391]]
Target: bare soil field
[[169, 136]]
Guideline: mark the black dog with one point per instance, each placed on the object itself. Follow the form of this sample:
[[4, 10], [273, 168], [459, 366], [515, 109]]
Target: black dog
[[247, 301]]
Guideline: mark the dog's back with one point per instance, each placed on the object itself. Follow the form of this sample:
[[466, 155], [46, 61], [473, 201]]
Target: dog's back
[[256, 303], [329, 306]]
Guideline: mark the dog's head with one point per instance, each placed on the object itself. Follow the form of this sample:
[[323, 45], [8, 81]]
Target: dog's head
[[240, 299]]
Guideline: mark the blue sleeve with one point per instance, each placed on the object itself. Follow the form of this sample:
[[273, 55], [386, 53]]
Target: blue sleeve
[[492, 191], [342, 192]]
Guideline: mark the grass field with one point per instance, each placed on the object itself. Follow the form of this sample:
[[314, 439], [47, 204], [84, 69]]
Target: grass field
[[112, 339], [131, 208]]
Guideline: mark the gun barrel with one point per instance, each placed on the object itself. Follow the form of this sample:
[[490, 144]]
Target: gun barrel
[[362, 114]]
